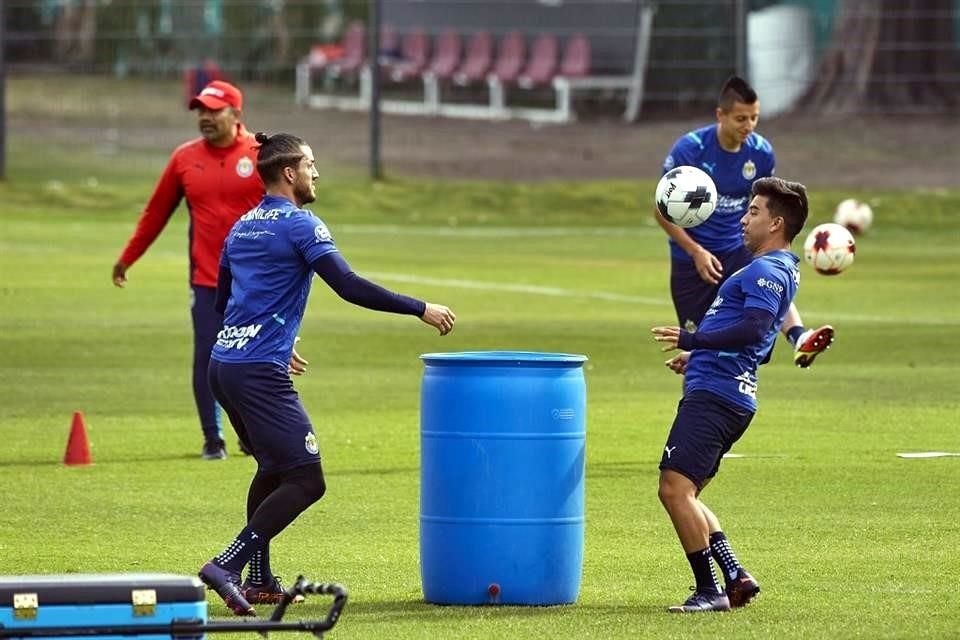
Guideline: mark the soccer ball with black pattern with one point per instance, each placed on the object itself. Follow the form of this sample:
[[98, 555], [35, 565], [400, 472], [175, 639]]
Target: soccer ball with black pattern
[[829, 248], [686, 196]]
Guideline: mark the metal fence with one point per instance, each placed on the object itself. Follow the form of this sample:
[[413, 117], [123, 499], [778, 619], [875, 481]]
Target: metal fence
[[693, 44]]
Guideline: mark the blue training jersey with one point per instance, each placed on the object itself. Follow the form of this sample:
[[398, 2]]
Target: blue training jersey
[[769, 283], [269, 252], [732, 173]]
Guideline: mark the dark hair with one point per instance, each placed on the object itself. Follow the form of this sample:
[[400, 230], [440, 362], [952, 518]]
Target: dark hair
[[735, 89], [785, 199], [277, 152]]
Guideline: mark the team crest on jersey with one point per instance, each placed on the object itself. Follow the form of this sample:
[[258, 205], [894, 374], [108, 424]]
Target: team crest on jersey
[[310, 444], [322, 233], [749, 170], [668, 163], [244, 167]]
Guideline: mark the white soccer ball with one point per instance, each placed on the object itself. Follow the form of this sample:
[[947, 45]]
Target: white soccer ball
[[686, 196], [854, 215], [829, 248]]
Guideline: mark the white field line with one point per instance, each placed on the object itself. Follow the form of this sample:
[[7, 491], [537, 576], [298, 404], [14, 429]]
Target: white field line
[[928, 454], [558, 292], [555, 292], [495, 232], [834, 317], [755, 455]]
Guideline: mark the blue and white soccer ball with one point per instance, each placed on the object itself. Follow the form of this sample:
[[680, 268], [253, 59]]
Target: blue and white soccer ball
[[686, 196]]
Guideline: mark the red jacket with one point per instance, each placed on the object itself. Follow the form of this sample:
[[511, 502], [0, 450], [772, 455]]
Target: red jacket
[[220, 185]]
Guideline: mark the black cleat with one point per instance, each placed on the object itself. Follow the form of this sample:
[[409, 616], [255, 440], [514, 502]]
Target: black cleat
[[214, 449], [703, 601], [742, 590], [270, 593], [227, 585]]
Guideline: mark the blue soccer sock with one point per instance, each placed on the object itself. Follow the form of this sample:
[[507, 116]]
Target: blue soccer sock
[[703, 571], [794, 334], [238, 553], [723, 554]]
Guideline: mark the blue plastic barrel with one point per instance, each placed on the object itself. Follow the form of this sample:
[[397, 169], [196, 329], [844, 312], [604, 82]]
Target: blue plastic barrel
[[502, 477]]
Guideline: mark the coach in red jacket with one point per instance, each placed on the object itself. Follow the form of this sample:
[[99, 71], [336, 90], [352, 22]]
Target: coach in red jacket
[[217, 176]]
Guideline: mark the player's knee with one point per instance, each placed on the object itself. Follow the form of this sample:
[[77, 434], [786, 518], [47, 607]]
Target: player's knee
[[316, 488], [310, 480], [664, 493], [674, 487]]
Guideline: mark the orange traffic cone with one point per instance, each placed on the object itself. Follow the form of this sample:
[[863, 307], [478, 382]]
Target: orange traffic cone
[[78, 449]]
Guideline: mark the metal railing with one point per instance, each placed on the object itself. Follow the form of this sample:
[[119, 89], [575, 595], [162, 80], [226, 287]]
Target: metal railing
[[693, 45]]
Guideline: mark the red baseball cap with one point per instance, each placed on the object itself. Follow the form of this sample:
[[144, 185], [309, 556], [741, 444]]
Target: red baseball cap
[[217, 95]]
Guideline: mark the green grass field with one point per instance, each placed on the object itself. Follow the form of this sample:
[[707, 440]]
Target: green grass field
[[848, 540]]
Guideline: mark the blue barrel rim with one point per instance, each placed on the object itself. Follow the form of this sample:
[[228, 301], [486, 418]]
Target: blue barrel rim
[[517, 357]]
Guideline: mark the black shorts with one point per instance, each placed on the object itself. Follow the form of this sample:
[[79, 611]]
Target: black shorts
[[691, 295], [705, 428], [266, 412]]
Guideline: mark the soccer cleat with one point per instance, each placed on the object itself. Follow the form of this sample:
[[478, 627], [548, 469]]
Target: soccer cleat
[[703, 601], [267, 593], [811, 343], [227, 585], [214, 450], [742, 590]]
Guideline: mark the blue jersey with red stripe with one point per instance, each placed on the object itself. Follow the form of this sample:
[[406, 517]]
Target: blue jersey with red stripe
[[269, 253], [769, 283], [732, 173]]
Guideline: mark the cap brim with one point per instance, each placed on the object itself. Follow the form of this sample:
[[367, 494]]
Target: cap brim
[[208, 101]]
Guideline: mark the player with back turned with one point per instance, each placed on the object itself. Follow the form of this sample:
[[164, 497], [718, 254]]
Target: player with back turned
[[266, 269], [719, 362], [702, 257]]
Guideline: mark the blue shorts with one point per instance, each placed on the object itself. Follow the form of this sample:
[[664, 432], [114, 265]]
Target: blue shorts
[[691, 295], [705, 428], [266, 412]]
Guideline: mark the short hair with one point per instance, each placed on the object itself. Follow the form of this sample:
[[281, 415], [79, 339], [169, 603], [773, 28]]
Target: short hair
[[785, 199], [277, 152], [735, 89]]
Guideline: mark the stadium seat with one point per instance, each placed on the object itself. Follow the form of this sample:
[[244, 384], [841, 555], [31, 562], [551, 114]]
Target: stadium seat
[[354, 51], [477, 61], [195, 78], [576, 57], [322, 55], [510, 58], [446, 55], [389, 45], [414, 56], [542, 65]]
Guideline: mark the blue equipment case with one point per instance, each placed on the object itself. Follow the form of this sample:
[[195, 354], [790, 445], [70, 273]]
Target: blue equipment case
[[90, 600], [154, 606]]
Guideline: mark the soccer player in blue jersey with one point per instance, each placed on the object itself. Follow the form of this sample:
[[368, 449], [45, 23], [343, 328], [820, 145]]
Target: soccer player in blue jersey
[[702, 257], [268, 262], [719, 362]]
